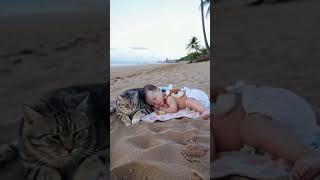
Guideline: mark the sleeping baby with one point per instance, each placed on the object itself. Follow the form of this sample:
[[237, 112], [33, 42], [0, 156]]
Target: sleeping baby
[[171, 102]]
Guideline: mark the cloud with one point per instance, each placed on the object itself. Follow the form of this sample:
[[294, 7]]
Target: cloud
[[138, 48], [134, 54]]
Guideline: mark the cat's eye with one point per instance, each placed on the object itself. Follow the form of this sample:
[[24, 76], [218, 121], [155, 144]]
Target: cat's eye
[[80, 134], [53, 139], [77, 134], [56, 138]]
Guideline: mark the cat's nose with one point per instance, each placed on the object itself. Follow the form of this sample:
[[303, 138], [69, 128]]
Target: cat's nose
[[69, 148]]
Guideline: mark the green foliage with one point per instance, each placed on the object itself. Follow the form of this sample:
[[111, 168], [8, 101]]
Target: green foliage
[[203, 51], [196, 50], [193, 45], [191, 56]]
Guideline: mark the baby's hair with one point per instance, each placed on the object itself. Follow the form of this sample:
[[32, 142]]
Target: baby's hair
[[146, 88]]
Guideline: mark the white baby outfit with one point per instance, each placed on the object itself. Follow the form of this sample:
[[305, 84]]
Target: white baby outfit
[[198, 95], [282, 105]]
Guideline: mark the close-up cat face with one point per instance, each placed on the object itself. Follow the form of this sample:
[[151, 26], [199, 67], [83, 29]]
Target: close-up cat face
[[58, 135], [128, 104]]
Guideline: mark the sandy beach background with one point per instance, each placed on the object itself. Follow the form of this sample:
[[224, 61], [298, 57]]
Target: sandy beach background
[[176, 149], [274, 44], [39, 53]]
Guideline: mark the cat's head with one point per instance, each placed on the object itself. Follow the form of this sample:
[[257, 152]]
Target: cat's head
[[57, 132], [128, 103]]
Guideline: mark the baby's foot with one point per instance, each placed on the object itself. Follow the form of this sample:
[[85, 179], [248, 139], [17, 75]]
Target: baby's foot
[[306, 168], [205, 115]]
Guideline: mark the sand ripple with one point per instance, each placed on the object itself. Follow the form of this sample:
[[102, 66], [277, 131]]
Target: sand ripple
[[177, 149]]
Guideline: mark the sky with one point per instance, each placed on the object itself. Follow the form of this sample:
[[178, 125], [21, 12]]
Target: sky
[[22, 7], [153, 30]]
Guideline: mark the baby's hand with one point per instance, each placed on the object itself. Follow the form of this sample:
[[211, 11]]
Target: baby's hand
[[161, 108], [205, 115], [156, 107]]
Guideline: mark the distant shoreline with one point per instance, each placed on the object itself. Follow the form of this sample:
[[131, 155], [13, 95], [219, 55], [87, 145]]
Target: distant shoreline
[[134, 64]]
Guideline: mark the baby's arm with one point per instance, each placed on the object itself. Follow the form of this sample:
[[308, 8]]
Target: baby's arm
[[173, 107]]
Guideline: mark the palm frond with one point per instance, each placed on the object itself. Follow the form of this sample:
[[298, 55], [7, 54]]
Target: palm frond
[[206, 3]]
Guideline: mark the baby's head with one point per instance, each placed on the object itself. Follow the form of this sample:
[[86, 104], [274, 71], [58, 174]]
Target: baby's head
[[152, 95]]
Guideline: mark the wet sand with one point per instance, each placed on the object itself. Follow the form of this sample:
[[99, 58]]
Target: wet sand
[[39, 53]]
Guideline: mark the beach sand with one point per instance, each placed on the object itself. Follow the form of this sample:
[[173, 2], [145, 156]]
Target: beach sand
[[275, 44], [176, 149], [39, 53]]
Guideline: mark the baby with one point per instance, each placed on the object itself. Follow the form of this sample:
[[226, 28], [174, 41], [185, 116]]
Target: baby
[[234, 126], [195, 99]]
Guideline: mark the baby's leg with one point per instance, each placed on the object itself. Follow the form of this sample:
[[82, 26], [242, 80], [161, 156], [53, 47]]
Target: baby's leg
[[194, 104], [226, 130], [261, 132]]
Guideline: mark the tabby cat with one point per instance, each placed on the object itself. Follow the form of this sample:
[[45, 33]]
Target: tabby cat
[[64, 135], [130, 106]]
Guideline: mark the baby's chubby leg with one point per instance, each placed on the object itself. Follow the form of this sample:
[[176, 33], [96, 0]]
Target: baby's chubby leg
[[197, 106], [262, 132], [226, 129]]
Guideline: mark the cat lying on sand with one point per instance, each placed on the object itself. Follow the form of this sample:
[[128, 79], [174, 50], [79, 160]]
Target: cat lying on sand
[[64, 135]]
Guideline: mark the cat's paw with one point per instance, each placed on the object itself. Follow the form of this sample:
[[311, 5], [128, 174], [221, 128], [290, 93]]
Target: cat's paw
[[93, 168], [125, 119], [137, 116], [127, 123], [43, 173]]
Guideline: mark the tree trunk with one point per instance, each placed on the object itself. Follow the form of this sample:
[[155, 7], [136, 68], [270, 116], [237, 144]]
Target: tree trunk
[[204, 30]]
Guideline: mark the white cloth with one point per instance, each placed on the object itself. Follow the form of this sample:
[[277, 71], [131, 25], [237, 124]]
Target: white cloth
[[198, 95], [224, 103], [282, 105], [152, 117]]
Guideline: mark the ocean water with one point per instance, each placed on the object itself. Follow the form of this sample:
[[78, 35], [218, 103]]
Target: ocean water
[[130, 63]]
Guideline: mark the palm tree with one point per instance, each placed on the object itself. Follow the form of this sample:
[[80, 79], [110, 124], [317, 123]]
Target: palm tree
[[193, 45], [207, 3], [204, 3]]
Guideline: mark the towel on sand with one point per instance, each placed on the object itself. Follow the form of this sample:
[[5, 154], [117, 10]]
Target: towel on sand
[[165, 117]]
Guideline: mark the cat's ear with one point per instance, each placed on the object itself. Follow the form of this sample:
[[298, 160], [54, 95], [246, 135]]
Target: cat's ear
[[30, 114], [120, 98], [83, 105]]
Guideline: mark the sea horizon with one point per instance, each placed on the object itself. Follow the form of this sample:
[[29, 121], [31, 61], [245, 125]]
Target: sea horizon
[[132, 63]]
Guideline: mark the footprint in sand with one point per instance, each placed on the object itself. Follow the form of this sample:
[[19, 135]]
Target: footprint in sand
[[137, 171], [193, 151], [143, 142], [155, 127], [178, 136]]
